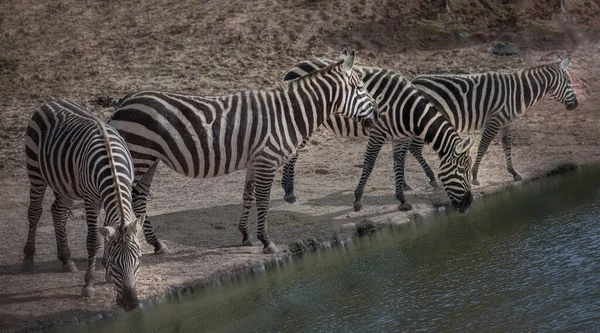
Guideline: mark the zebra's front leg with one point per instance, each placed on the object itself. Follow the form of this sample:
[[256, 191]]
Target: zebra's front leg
[[506, 146], [373, 148], [248, 200], [263, 181], [416, 149], [36, 197], [490, 131], [140, 194], [287, 180], [400, 148], [60, 210], [93, 246]]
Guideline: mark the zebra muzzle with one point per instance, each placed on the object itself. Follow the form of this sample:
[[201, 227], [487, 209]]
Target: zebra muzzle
[[129, 300]]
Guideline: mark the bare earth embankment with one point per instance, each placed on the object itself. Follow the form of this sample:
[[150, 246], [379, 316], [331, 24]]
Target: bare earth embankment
[[83, 50]]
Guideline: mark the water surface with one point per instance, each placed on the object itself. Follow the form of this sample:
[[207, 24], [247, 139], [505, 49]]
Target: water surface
[[526, 260]]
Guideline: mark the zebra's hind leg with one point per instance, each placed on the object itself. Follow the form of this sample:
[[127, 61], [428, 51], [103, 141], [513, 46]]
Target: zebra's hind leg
[[263, 181], [60, 211], [416, 149], [36, 197], [373, 148], [93, 246], [287, 180], [400, 148], [506, 146], [248, 200], [490, 131], [140, 193]]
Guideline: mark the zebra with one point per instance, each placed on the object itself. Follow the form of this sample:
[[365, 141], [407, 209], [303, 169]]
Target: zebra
[[405, 113], [81, 158], [257, 130], [492, 101]]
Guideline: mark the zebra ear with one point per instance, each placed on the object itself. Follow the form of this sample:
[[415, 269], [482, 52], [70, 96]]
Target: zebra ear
[[563, 64], [344, 54], [134, 227], [107, 232], [349, 62], [465, 146]]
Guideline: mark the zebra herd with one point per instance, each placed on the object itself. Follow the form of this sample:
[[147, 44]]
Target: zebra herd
[[111, 166]]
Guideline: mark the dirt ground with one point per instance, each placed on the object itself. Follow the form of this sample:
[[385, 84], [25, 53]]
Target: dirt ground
[[83, 50]]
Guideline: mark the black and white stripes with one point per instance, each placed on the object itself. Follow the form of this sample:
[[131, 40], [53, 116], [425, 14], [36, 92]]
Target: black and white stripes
[[492, 101], [254, 130], [81, 158], [405, 113]]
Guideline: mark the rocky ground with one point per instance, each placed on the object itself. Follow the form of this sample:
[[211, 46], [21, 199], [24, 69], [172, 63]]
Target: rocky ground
[[84, 50]]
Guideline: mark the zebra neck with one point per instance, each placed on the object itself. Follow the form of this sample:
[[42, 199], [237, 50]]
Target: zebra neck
[[116, 212], [311, 102], [533, 84], [439, 134]]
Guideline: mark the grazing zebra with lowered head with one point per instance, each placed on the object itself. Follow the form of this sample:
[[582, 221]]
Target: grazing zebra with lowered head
[[492, 101], [405, 113], [81, 158], [255, 130]]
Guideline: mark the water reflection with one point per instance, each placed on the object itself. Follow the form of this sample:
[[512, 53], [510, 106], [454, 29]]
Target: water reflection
[[523, 260]]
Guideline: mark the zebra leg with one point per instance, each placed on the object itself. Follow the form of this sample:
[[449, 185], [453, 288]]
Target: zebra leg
[[287, 180], [140, 194], [263, 182], [400, 148], [373, 149], [60, 211], [397, 155], [506, 146], [248, 200], [416, 149], [490, 131], [93, 246], [34, 213]]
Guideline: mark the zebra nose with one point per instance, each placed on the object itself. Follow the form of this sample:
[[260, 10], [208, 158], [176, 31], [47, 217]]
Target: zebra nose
[[572, 106], [465, 203], [129, 300]]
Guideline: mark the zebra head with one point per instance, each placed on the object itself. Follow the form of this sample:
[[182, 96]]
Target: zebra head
[[122, 260], [562, 88], [355, 100], [455, 174]]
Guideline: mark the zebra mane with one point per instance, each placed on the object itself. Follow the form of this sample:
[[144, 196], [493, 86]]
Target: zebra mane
[[321, 71], [113, 168]]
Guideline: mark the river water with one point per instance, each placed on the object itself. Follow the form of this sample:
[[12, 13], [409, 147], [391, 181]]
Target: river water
[[525, 260]]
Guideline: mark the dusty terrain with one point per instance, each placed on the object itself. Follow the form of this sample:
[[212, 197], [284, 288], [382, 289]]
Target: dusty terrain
[[83, 50]]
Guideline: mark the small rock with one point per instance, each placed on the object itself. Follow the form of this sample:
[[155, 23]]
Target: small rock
[[502, 48], [322, 172]]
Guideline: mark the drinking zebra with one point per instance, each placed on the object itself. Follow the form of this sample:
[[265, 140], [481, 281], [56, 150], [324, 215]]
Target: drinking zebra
[[255, 130], [405, 113], [81, 158], [492, 101]]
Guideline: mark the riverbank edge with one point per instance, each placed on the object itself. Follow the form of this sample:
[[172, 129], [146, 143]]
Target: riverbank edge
[[295, 250]]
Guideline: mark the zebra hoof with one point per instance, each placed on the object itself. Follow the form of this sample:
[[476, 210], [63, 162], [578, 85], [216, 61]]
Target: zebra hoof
[[358, 206], [27, 265], [69, 267], [407, 187], [517, 177], [475, 182], [270, 249], [107, 278], [289, 198], [434, 183], [405, 207], [162, 249], [247, 242], [88, 292]]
